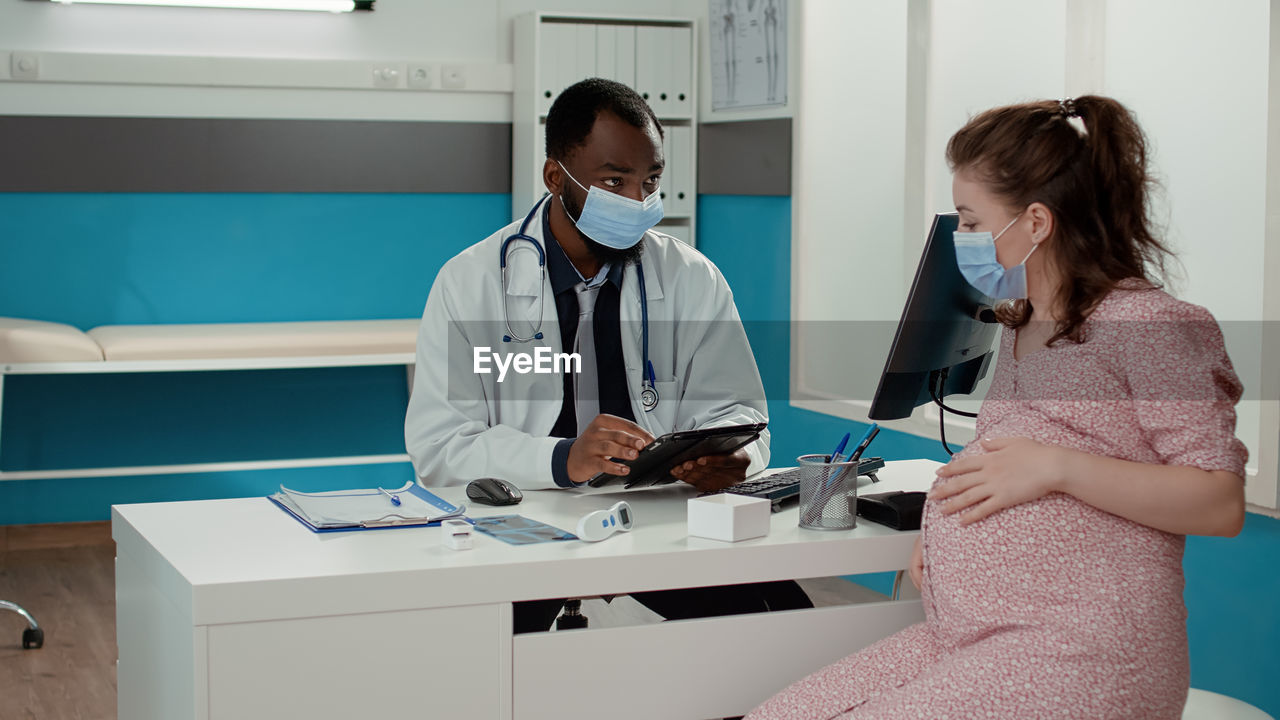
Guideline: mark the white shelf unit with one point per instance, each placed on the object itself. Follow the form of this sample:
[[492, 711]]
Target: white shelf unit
[[655, 55]]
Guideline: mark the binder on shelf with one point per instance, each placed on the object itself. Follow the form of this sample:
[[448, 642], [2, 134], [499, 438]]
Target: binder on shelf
[[558, 41], [681, 194], [582, 63], [680, 72], [616, 53], [653, 67], [366, 508], [607, 53]]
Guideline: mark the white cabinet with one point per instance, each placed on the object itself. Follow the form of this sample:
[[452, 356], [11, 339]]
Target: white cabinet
[[656, 56]]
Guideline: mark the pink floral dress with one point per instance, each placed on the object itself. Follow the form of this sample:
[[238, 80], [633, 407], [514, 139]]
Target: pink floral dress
[[1053, 608]]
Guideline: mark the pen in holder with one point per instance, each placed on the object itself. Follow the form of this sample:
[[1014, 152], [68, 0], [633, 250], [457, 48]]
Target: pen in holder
[[826, 492]]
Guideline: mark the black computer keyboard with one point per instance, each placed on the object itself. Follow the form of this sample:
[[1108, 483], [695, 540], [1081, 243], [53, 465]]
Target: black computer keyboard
[[782, 486]]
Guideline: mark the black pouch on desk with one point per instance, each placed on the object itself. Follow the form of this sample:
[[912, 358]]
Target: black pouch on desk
[[899, 510]]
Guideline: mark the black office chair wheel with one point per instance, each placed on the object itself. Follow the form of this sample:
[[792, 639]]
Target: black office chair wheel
[[32, 639]]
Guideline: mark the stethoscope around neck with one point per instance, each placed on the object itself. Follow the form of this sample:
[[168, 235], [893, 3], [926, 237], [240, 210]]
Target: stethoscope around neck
[[648, 391]]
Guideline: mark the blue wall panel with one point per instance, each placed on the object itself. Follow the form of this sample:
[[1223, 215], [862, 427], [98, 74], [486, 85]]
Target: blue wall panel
[[98, 259], [87, 499], [70, 421], [94, 259], [1233, 605]]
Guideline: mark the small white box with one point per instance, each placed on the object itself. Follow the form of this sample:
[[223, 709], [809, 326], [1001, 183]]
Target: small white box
[[456, 534], [729, 517]]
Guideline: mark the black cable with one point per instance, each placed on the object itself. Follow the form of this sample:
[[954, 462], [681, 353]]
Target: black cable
[[954, 411], [942, 431], [942, 412], [937, 396]]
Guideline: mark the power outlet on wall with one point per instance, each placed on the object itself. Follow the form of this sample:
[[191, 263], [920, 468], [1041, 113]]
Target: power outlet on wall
[[421, 77], [386, 76], [24, 66], [453, 77]]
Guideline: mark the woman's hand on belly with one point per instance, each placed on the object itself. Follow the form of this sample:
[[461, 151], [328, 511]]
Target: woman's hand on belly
[[1012, 471]]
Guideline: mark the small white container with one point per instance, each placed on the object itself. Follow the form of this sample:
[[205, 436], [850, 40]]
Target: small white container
[[729, 517], [456, 534]]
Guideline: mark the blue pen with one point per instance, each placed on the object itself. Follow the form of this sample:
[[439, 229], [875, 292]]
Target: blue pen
[[835, 455], [394, 500], [865, 441]]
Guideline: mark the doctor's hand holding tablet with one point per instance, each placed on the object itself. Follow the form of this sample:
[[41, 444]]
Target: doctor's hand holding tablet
[[714, 472], [605, 438], [608, 439]]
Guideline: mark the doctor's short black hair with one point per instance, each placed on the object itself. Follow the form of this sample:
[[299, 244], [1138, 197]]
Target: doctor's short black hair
[[573, 114]]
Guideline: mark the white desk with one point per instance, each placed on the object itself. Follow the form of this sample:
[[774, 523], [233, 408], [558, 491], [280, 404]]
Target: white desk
[[232, 610]]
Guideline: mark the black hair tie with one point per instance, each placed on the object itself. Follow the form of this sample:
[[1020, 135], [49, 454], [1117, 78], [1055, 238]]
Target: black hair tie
[[1068, 108]]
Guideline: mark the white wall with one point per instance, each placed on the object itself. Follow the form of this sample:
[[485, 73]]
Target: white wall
[[849, 151], [474, 31], [982, 55]]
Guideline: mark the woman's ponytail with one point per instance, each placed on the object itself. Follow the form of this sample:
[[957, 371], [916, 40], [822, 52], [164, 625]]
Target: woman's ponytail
[[1118, 160]]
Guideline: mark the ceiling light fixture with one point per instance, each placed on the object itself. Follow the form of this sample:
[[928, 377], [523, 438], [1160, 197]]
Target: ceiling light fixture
[[335, 6]]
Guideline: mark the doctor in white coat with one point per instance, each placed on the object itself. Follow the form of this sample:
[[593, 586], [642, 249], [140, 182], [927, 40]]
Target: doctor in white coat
[[470, 417], [662, 347]]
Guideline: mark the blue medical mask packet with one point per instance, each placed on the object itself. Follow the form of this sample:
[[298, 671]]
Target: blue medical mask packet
[[976, 257], [520, 530], [613, 220]]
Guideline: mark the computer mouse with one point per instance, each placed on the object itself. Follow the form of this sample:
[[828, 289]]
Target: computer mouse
[[492, 491]]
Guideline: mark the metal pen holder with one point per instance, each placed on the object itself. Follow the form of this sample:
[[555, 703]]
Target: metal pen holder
[[827, 493]]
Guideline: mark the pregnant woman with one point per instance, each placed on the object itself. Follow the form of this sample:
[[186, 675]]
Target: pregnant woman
[[1050, 562]]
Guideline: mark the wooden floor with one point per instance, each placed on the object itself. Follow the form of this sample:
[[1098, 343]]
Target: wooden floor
[[70, 590], [65, 577]]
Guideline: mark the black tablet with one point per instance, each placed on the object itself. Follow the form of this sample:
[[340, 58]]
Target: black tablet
[[653, 465]]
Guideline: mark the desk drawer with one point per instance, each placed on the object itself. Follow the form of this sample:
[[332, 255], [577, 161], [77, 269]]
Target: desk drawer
[[690, 669], [375, 665]]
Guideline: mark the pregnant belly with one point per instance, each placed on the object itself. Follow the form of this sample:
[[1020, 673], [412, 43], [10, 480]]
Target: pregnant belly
[[1055, 563]]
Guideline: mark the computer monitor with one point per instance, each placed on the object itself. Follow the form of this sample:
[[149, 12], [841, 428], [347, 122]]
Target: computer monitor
[[943, 344]]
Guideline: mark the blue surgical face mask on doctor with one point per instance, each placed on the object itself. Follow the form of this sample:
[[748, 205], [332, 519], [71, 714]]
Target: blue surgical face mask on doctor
[[976, 256], [613, 220]]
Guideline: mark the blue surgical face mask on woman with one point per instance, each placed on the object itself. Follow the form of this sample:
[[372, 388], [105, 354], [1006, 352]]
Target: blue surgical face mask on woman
[[613, 220], [976, 256]]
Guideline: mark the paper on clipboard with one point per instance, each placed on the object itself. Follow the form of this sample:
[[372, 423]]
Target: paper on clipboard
[[366, 507]]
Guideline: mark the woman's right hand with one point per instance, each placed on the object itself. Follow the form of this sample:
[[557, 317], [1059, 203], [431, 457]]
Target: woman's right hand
[[916, 568]]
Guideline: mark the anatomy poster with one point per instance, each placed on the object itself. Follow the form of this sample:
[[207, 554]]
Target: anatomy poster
[[748, 53]]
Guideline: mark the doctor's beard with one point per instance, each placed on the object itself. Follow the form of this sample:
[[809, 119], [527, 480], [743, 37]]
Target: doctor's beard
[[603, 253]]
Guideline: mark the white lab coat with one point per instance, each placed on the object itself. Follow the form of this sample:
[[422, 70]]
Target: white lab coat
[[461, 425]]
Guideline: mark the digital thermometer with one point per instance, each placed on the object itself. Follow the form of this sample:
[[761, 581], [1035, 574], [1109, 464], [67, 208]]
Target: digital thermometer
[[598, 525]]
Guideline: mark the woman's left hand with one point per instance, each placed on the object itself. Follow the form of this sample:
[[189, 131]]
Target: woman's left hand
[[1012, 471]]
